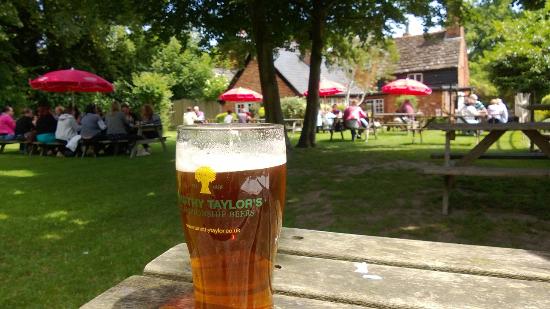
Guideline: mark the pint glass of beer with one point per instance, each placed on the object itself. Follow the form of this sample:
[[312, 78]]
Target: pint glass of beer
[[231, 185]]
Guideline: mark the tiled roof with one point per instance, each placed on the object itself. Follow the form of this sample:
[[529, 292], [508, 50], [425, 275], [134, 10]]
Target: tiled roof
[[427, 52], [296, 71]]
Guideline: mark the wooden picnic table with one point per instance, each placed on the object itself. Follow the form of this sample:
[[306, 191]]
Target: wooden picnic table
[[462, 166], [141, 130], [415, 124], [317, 269]]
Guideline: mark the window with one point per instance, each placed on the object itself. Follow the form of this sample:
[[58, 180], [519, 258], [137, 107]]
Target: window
[[376, 105], [416, 76], [246, 107]]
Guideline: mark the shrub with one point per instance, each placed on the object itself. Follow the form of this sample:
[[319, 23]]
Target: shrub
[[293, 107], [154, 88], [220, 117], [543, 115]]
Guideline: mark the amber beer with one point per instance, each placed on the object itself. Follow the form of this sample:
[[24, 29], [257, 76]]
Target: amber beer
[[231, 183]]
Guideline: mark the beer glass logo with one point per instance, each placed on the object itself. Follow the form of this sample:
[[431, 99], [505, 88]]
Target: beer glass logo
[[205, 175]]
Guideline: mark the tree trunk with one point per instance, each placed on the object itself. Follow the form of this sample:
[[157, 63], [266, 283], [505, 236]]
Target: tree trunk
[[266, 67], [307, 138]]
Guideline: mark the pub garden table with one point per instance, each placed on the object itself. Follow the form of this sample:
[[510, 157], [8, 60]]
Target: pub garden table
[[331, 270], [463, 165]]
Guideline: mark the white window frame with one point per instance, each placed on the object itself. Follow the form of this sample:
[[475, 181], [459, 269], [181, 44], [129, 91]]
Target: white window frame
[[376, 105], [244, 106], [419, 77]]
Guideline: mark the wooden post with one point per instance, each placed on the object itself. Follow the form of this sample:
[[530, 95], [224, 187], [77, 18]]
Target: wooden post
[[539, 140], [448, 180]]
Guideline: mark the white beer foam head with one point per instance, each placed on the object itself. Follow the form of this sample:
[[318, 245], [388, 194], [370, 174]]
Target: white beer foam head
[[226, 156]]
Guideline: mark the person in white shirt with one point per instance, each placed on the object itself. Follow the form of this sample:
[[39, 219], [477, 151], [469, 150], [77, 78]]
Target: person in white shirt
[[497, 112], [229, 117], [199, 113], [189, 117], [469, 112]]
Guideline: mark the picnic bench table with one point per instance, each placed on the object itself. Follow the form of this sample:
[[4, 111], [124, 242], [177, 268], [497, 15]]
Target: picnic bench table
[[141, 130], [415, 122], [317, 269], [293, 125], [462, 166]]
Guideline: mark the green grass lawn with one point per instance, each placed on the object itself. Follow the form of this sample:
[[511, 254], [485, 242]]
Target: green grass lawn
[[72, 228]]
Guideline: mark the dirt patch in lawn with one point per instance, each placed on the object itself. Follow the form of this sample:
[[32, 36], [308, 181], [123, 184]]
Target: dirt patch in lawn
[[363, 167], [314, 212]]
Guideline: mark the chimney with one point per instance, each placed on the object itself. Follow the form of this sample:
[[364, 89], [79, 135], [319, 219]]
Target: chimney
[[454, 29], [306, 57], [407, 33], [454, 32]]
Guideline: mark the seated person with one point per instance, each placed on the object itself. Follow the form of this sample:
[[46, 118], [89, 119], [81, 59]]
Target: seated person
[[469, 113], [24, 128], [497, 112], [46, 125], [352, 117], [229, 117], [405, 108], [479, 106], [244, 117], [92, 126], [190, 117], [7, 124], [148, 117], [131, 117], [67, 127], [336, 111], [117, 124], [329, 119], [67, 131]]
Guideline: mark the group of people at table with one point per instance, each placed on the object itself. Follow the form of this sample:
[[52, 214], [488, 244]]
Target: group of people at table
[[193, 115], [474, 111], [67, 126], [354, 118]]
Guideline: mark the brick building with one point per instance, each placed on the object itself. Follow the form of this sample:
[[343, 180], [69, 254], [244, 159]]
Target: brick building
[[438, 60], [292, 78]]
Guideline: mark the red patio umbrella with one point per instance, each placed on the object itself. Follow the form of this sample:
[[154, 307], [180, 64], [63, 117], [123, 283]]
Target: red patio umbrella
[[241, 95], [71, 81], [328, 87], [406, 87]]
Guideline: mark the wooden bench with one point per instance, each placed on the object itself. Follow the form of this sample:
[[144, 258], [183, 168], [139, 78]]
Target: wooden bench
[[495, 156], [3, 143], [463, 165], [161, 140], [448, 172], [339, 126], [415, 127], [317, 269], [43, 147]]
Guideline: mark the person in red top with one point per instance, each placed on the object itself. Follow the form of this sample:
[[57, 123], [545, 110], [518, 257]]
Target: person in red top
[[352, 117], [7, 124]]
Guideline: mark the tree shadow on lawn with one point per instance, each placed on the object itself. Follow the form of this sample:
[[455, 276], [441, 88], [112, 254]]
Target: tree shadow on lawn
[[74, 228], [385, 194]]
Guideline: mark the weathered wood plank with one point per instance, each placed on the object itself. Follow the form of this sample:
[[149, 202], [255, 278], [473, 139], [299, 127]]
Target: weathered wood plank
[[540, 140], [380, 285], [480, 148], [150, 292], [496, 156], [486, 171], [537, 107], [489, 126], [468, 259]]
